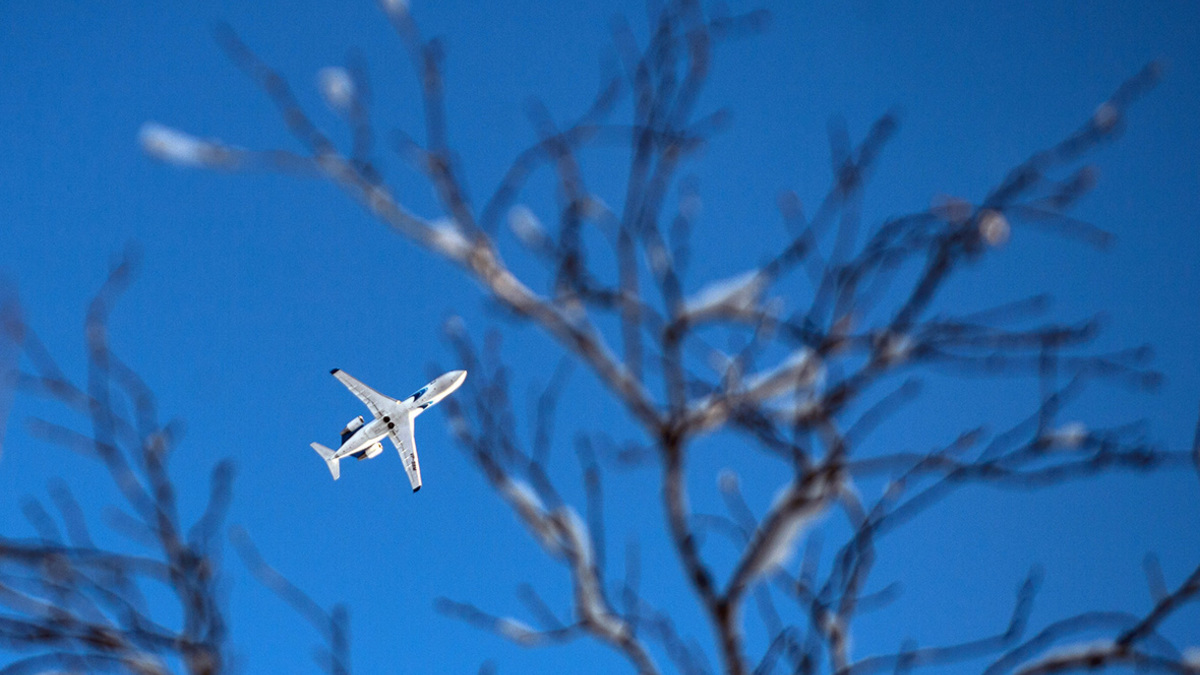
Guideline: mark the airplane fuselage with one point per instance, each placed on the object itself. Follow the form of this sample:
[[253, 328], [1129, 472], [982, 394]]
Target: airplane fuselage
[[367, 436]]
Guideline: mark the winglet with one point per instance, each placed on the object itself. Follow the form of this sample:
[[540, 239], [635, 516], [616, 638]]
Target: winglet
[[334, 371], [330, 461]]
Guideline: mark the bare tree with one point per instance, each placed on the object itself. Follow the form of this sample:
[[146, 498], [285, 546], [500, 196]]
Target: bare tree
[[72, 601], [828, 325]]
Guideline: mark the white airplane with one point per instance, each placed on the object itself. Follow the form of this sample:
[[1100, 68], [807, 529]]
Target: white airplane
[[393, 419]]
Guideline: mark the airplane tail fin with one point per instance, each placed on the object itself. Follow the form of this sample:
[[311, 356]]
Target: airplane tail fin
[[331, 461]]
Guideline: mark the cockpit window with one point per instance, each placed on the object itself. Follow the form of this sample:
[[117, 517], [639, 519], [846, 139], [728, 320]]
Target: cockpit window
[[419, 393]]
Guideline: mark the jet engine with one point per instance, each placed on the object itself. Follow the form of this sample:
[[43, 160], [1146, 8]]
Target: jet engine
[[351, 427], [370, 452]]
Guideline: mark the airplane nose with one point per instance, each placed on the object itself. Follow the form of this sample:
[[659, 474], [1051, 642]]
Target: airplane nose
[[459, 376]]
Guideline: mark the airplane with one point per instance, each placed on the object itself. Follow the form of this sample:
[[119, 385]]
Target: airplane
[[393, 419]]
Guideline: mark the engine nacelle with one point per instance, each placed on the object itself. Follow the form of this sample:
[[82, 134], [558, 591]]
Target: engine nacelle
[[351, 427], [370, 452]]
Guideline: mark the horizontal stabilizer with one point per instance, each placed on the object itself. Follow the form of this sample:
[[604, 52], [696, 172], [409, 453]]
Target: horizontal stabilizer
[[330, 461]]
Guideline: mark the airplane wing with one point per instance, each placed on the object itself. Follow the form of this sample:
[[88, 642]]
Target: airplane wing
[[375, 401], [402, 438]]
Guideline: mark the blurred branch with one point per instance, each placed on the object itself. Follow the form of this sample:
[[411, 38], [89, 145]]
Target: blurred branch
[[333, 625], [1136, 644], [79, 605]]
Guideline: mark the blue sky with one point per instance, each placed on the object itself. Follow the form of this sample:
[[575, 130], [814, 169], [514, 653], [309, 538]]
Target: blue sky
[[253, 286]]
